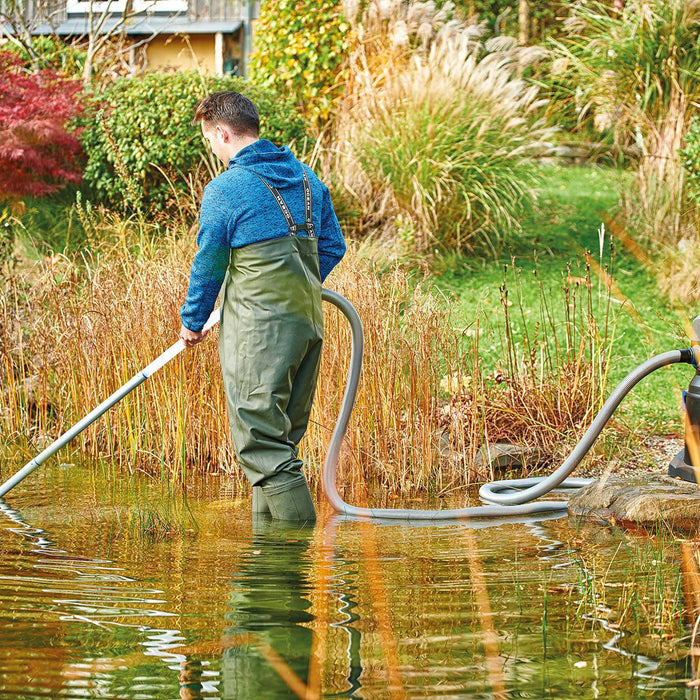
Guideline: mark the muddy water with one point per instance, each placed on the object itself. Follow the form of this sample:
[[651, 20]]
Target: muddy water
[[223, 607]]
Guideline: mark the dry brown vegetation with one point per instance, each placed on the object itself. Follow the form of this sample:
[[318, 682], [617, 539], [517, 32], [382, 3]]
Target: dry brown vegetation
[[85, 326]]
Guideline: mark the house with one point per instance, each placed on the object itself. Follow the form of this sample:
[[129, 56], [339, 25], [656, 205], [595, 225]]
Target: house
[[158, 35]]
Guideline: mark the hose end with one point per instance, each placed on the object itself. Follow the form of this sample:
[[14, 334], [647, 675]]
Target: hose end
[[691, 356]]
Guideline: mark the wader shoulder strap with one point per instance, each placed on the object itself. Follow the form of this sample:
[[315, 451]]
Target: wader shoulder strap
[[308, 225], [308, 201]]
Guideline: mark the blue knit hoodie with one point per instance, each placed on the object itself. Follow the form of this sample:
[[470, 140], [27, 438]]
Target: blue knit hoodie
[[237, 210]]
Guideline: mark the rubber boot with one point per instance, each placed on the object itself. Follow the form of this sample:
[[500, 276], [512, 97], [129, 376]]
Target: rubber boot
[[259, 501], [290, 500]]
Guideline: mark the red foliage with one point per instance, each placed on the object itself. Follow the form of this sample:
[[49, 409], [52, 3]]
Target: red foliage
[[37, 154]]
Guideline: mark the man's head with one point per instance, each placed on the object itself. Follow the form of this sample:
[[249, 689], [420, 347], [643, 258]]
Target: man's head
[[229, 121]]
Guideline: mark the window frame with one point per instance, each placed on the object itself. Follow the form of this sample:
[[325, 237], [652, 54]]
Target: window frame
[[161, 5]]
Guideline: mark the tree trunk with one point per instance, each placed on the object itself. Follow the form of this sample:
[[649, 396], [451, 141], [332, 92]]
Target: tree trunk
[[523, 22], [89, 59]]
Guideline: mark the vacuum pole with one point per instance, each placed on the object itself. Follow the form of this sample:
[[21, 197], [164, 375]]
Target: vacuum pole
[[91, 417]]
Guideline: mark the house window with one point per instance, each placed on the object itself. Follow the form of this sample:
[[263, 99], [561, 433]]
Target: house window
[[97, 5], [160, 5], [120, 5]]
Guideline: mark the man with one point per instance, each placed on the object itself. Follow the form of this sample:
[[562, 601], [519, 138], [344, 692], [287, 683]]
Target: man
[[269, 234]]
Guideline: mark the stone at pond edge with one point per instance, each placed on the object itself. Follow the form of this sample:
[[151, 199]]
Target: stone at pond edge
[[645, 499], [498, 455]]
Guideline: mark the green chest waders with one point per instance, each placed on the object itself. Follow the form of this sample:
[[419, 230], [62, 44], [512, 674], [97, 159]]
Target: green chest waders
[[270, 349]]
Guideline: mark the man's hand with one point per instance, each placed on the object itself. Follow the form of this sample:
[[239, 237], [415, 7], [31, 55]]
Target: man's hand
[[190, 338]]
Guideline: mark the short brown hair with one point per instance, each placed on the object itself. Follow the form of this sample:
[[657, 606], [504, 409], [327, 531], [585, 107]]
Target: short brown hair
[[231, 108]]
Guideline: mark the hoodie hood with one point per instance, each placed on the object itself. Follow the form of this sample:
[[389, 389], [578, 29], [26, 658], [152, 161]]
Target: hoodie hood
[[276, 165]]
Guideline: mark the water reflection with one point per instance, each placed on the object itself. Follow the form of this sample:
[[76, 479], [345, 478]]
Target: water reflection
[[191, 679], [269, 639], [348, 608], [471, 523], [74, 605]]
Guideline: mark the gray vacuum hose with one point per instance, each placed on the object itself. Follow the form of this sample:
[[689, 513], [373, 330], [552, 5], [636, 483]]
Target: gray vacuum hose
[[509, 498]]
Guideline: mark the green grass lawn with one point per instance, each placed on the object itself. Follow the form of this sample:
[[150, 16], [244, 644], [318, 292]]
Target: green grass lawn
[[564, 223]]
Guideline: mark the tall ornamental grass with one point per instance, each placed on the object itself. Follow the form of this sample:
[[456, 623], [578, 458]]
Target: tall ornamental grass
[[678, 264], [432, 141], [638, 73], [425, 407]]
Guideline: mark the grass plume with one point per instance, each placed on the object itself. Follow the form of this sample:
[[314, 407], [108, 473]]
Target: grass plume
[[424, 83]]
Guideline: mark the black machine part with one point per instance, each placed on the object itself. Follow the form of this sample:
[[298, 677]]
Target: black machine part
[[683, 465]]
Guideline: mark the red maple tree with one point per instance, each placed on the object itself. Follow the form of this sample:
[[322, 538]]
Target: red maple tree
[[38, 155]]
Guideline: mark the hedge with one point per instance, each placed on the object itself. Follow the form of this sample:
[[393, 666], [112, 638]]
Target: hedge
[[140, 129]]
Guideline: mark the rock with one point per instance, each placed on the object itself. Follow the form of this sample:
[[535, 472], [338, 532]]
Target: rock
[[35, 392], [41, 440], [499, 455], [644, 499]]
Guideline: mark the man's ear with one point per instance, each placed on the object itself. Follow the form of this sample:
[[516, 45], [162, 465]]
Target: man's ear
[[225, 135]]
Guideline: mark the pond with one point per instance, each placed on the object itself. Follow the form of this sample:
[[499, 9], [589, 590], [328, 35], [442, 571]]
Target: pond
[[227, 607]]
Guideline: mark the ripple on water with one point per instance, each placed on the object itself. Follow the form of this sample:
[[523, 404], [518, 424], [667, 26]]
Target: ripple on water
[[240, 609], [55, 607]]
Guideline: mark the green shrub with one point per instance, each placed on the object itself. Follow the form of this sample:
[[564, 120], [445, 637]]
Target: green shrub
[[138, 134], [300, 49], [51, 52], [690, 157]]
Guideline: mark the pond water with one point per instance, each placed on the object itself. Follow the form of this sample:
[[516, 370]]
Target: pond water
[[91, 607]]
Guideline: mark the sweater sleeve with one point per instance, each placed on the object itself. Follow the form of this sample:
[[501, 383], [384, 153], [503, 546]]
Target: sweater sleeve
[[331, 245], [210, 262]]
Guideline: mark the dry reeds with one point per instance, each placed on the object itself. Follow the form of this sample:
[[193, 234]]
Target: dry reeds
[[425, 405], [555, 372]]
